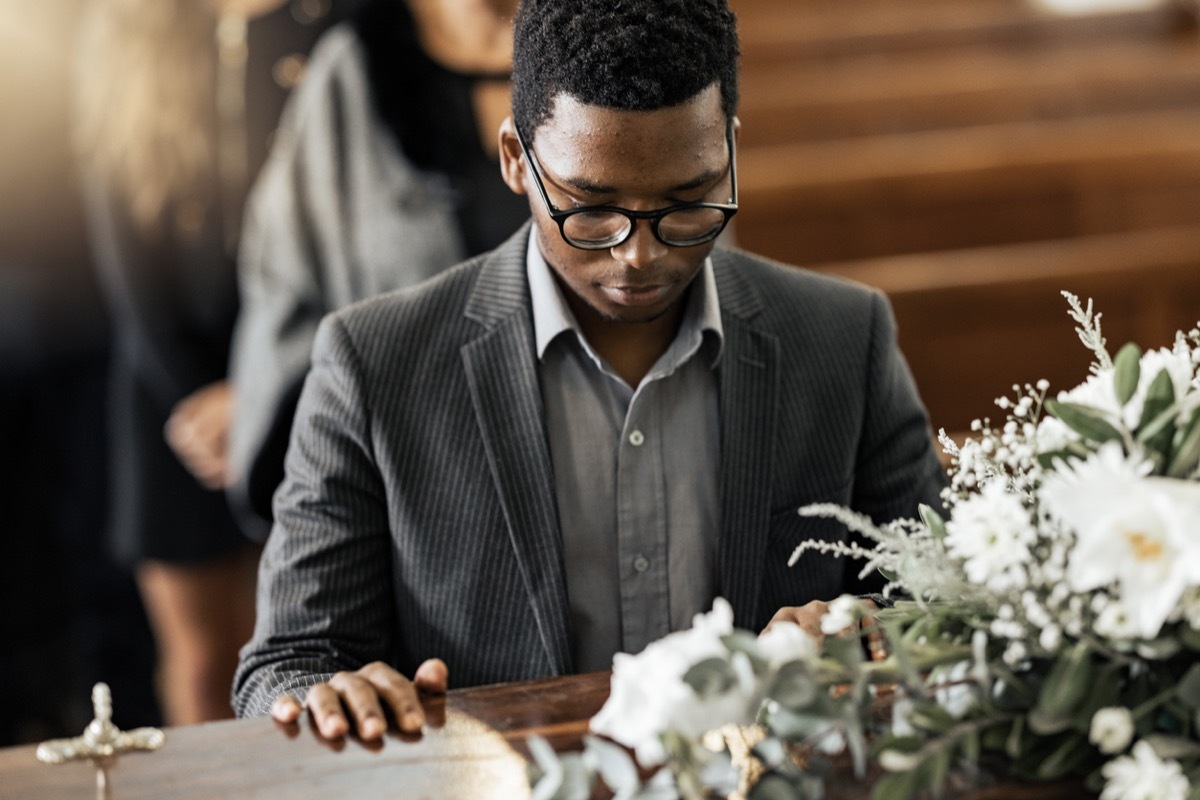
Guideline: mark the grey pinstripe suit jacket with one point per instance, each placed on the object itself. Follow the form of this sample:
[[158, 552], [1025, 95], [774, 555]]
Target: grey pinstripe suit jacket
[[418, 516]]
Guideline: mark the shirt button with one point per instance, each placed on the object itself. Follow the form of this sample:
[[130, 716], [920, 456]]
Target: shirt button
[[636, 438], [641, 564]]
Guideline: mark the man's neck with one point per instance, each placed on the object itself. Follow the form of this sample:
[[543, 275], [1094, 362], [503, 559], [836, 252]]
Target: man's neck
[[630, 348]]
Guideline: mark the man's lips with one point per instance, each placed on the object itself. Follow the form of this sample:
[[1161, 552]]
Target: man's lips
[[635, 295]]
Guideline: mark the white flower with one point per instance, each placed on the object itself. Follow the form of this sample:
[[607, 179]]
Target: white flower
[[649, 696], [1143, 776], [786, 641], [1099, 392], [953, 689], [902, 709], [991, 532], [1111, 730], [1141, 533], [842, 615], [1116, 623]]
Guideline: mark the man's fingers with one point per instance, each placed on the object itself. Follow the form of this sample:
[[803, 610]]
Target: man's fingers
[[360, 697], [286, 708], [399, 693], [325, 705], [432, 676]]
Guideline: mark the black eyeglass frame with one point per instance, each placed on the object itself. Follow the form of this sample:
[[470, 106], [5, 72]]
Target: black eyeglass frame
[[654, 217]]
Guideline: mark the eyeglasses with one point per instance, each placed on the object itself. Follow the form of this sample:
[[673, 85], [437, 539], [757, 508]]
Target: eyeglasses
[[602, 227]]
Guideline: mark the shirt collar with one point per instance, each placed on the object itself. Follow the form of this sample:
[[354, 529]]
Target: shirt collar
[[552, 316]]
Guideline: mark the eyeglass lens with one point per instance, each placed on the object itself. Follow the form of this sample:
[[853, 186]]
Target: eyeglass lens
[[683, 227]]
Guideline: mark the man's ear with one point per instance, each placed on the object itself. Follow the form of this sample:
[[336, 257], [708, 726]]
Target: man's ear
[[512, 161]]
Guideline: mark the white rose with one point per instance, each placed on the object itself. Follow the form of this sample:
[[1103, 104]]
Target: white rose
[[1112, 729]]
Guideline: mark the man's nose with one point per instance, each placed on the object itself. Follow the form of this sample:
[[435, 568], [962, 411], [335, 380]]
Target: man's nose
[[642, 248]]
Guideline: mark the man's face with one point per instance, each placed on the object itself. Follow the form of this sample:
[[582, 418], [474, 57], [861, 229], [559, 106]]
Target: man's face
[[637, 160]]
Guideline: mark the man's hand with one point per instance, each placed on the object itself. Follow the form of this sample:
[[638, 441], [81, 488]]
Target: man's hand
[[198, 432], [809, 616], [359, 698]]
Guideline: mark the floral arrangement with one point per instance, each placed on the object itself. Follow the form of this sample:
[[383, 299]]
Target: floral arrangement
[[1050, 618]]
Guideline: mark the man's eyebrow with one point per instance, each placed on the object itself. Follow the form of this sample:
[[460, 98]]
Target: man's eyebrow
[[587, 187]]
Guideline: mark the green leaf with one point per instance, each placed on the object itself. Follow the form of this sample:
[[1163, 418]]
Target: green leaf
[[1047, 723], [934, 772], [746, 642], [1014, 746], [1084, 420], [895, 786], [1127, 372], [710, 677], [933, 521], [794, 686], [1065, 758], [1187, 451], [1067, 683], [934, 719], [773, 787], [1156, 430], [1188, 688]]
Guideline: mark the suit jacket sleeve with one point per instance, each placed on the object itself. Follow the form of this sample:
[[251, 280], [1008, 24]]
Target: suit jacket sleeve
[[897, 467], [325, 599]]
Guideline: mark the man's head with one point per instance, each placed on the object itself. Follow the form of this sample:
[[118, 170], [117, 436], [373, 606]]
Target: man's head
[[632, 55], [626, 105]]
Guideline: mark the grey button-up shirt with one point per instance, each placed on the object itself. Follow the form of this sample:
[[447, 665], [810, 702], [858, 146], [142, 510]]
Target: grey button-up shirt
[[635, 472]]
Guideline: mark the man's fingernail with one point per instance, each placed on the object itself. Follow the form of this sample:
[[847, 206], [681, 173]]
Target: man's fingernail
[[413, 721]]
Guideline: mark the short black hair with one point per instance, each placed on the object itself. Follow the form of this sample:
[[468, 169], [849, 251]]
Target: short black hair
[[633, 55]]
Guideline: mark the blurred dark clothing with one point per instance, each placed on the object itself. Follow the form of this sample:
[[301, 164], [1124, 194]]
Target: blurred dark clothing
[[172, 295], [377, 181], [71, 616]]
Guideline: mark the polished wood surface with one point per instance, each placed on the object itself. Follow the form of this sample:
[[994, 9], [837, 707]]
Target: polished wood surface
[[475, 746]]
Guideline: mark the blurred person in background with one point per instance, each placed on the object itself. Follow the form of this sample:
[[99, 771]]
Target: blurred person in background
[[175, 102], [385, 172]]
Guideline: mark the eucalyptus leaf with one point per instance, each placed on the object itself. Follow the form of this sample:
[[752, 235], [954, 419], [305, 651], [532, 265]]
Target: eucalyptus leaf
[[1067, 683], [895, 786], [934, 719], [1084, 420], [794, 686], [741, 641], [1047, 723], [1065, 758], [1156, 428], [710, 677], [1188, 688], [935, 770], [1189, 637], [933, 521], [1127, 371], [1187, 452], [772, 787], [614, 764]]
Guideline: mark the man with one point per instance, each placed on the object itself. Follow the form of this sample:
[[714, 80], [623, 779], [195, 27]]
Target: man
[[595, 429]]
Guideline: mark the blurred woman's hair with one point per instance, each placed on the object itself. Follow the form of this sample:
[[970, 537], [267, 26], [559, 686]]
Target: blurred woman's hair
[[145, 98]]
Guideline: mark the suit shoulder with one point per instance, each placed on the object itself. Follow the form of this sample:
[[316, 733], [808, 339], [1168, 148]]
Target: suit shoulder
[[415, 313], [781, 288]]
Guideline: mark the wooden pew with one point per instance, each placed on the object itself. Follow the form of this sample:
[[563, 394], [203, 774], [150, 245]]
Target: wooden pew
[[811, 202], [973, 322], [806, 100], [778, 30]]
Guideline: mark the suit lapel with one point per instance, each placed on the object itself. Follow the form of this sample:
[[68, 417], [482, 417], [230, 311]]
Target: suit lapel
[[748, 375], [502, 375]]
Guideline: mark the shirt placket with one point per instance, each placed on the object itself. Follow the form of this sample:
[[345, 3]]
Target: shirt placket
[[642, 522]]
